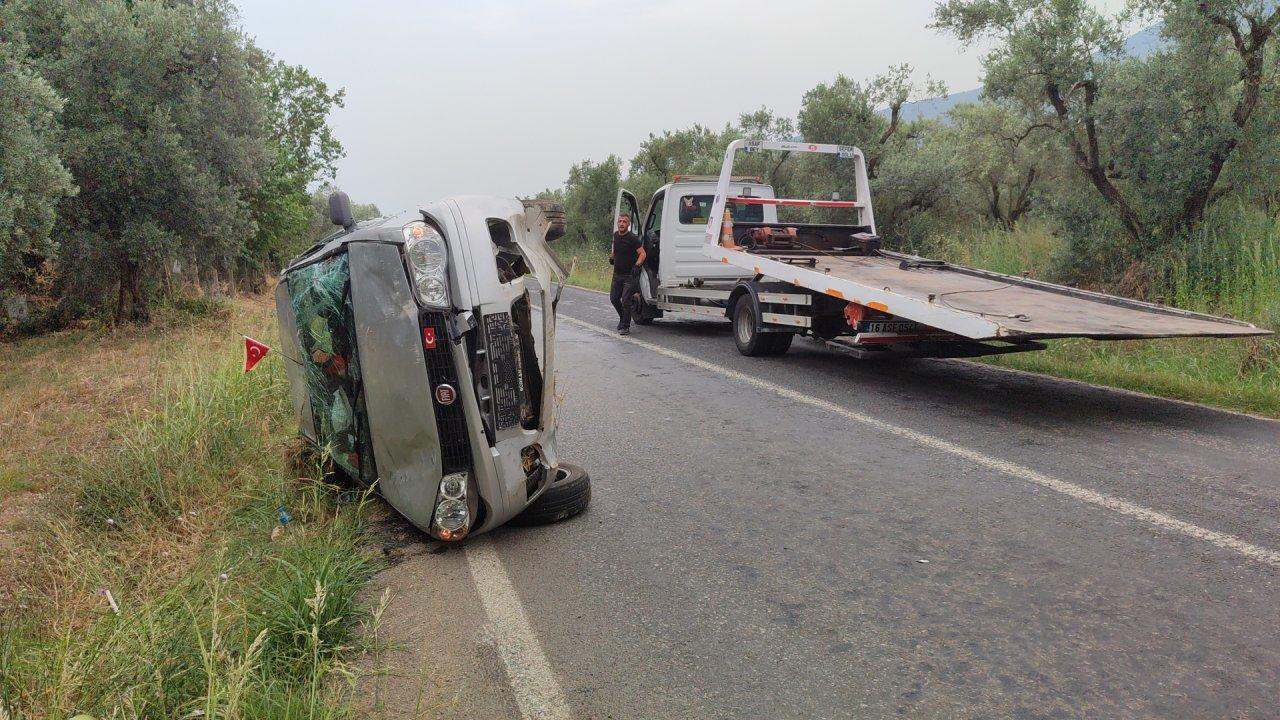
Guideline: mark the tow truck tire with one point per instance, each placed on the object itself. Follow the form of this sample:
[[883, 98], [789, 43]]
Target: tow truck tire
[[780, 342], [747, 336], [569, 494], [642, 313]]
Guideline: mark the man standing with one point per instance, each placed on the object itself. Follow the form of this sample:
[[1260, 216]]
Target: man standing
[[627, 257]]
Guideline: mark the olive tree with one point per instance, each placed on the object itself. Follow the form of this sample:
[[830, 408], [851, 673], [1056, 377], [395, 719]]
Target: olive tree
[[1003, 158], [1150, 135], [32, 177], [164, 134]]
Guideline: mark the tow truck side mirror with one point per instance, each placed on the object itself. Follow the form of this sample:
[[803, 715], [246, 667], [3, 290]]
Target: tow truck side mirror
[[340, 210]]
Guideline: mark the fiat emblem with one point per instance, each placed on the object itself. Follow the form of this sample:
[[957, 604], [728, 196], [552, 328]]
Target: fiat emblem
[[445, 394]]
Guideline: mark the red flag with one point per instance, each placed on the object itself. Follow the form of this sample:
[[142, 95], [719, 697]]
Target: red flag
[[253, 352]]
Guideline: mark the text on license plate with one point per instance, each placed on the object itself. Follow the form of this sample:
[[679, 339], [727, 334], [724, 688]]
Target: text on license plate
[[888, 326]]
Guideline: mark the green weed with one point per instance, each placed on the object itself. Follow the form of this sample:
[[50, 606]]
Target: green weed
[[216, 619]]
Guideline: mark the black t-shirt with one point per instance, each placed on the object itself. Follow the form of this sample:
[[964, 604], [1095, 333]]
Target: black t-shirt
[[626, 250]]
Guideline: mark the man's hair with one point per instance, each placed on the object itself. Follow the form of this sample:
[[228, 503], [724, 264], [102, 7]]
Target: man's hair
[[624, 215]]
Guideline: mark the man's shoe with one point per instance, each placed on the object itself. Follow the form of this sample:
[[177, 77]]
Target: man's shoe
[[624, 331], [619, 327]]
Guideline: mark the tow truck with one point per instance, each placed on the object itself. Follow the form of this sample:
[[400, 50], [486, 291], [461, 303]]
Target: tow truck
[[717, 249]]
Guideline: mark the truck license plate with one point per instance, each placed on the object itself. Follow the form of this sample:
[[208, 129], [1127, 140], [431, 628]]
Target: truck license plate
[[888, 326]]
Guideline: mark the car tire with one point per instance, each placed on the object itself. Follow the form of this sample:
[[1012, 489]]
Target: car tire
[[569, 494]]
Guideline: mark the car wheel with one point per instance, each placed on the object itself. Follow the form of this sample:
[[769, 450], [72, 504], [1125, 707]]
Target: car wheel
[[569, 494]]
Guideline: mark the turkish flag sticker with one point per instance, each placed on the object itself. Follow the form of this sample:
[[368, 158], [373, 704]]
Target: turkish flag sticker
[[253, 352], [429, 338]]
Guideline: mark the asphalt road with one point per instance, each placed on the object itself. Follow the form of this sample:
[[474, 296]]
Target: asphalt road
[[815, 537]]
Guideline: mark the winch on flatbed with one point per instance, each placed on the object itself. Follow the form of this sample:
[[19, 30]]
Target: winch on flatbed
[[719, 250]]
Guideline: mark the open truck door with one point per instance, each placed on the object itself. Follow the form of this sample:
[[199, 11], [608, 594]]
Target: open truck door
[[643, 310], [626, 203]]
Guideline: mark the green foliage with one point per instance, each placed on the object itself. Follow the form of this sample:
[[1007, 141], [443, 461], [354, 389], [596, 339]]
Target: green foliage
[[186, 141], [1151, 135], [305, 151], [162, 132], [589, 196], [32, 177], [1003, 159]]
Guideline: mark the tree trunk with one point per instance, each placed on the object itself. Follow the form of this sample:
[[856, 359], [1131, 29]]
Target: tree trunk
[[131, 301], [895, 116], [1251, 49], [1087, 157], [1019, 205], [993, 202]]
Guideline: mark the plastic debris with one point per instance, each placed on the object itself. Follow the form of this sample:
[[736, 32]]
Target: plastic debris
[[285, 517], [923, 562], [111, 600], [277, 532]]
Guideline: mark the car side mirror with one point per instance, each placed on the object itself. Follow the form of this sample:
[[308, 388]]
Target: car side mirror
[[340, 210]]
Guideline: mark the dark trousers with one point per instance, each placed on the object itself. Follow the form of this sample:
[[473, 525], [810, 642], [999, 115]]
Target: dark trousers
[[620, 292]]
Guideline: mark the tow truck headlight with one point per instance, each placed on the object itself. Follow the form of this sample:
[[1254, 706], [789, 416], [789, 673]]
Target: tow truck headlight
[[428, 262], [452, 518]]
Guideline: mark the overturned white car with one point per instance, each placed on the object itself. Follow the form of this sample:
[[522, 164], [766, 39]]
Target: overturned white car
[[421, 358]]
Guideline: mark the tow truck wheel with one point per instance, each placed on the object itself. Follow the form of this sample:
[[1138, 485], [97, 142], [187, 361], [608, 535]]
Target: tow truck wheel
[[780, 342], [642, 312], [747, 336], [569, 494]]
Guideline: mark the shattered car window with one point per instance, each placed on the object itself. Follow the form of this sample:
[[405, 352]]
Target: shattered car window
[[321, 299]]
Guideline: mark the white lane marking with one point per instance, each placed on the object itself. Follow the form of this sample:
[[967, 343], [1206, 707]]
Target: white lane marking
[[1093, 497], [532, 680]]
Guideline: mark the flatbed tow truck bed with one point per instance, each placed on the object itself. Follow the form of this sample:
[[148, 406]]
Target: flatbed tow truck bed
[[983, 305], [974, 304]]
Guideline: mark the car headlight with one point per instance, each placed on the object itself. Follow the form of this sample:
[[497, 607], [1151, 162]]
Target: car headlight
[[453, 517], [428, 263]]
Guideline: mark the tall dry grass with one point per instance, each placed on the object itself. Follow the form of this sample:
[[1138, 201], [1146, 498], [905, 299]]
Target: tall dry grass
[[174, 519]]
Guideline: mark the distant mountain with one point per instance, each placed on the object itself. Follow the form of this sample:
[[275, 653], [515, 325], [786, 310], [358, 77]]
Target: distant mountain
[[1140, 44]]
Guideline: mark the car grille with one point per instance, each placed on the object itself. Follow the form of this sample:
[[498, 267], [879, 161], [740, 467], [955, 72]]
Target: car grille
[[451, 421]]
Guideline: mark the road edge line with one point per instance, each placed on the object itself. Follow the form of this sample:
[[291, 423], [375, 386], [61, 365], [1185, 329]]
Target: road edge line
[[529, 672], [1119, 505]]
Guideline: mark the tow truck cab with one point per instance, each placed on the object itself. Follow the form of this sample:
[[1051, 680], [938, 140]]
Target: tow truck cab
[[675, 223]]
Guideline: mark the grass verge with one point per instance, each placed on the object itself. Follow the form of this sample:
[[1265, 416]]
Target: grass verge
[[146, 581], [1239, 375], [589, 266]]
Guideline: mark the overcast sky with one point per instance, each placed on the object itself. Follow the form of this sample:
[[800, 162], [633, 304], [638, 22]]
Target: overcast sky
[[501, 97]]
